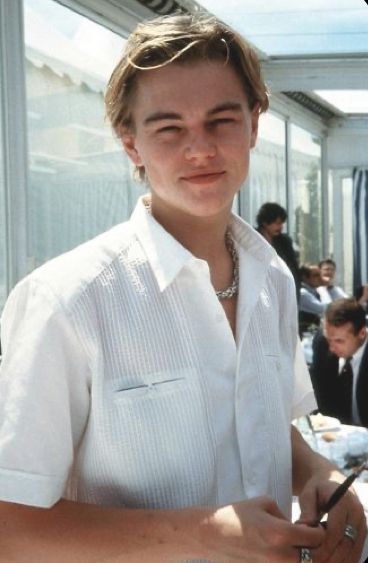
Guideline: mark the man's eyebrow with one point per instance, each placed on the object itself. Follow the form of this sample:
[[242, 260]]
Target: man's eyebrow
[[227, 106], [161, 116]]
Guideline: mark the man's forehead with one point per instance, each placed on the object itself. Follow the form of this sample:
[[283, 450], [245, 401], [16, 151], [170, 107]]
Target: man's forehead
[[212, 82], [338, 331]]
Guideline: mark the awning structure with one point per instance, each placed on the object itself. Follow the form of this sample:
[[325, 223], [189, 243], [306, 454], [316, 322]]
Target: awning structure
[[87, 55]]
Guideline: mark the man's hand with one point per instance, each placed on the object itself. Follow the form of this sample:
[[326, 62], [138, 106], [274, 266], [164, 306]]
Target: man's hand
[[348, 511], [256, 531]]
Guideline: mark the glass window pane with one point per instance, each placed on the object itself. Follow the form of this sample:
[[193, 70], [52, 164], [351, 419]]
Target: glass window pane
[[306, 193], [3, 255], [267, 178], [80, 182]]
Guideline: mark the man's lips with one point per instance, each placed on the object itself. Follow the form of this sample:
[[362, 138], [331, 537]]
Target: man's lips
[[203, 177]]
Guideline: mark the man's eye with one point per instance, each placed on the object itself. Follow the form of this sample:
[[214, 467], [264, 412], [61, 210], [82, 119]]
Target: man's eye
[[169, 129], [222, 121]]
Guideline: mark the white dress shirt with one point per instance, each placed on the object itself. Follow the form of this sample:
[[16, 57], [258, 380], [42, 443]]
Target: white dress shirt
[[355, 362], [331, 293], [122, 385]]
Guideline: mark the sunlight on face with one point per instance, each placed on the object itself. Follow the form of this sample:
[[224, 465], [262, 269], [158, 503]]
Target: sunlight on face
[[342, 340], [193, 131]]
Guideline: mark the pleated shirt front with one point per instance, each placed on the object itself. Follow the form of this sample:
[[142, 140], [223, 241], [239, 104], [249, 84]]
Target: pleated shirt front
[[122, 384]]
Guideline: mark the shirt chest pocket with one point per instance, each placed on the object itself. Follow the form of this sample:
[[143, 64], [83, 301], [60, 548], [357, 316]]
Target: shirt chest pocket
[[153, 385], [162, 437], [156, 386]]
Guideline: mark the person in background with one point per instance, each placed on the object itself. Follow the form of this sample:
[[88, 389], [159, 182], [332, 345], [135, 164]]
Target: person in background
[[271, 218], [361, 294], [340, 363], [311, 307], [328, 291], [151, 375]]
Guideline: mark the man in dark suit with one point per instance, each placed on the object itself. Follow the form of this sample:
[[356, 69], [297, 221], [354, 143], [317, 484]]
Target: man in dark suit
[[340, 363]]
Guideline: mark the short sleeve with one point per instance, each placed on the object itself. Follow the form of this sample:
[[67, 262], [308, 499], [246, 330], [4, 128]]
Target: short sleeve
[[44, 396], [304, 400]]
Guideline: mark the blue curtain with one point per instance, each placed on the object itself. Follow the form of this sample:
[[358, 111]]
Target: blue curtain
[[360, 226]]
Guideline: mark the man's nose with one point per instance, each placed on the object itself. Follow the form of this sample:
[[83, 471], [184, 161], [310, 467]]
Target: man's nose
[[200, 145]]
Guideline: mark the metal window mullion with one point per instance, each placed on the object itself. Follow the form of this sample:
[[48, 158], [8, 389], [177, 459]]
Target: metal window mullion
[[338, 221], [288, 178], [325, 215], [14, 146]]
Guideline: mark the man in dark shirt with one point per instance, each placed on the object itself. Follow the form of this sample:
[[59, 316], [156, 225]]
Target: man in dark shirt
[[270, 222]]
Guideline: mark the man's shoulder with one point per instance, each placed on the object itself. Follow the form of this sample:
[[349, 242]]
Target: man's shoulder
[[251, 241], [321, 351], [365, 354], [261, 252], [305, 290], [71, 273], [283, 240]]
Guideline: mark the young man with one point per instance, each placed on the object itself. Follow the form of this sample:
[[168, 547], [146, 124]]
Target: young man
[[340, 363], [150, 376]]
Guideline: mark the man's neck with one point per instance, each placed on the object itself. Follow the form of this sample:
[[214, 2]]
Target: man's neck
[[204, 237]]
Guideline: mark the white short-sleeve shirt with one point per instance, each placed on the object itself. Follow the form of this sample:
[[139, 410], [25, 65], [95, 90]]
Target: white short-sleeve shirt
[[122, 385]]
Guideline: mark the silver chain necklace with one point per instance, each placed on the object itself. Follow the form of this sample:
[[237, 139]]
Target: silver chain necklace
[[232, 289]]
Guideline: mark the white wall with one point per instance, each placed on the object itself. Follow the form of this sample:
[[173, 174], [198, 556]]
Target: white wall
[[348, 143]]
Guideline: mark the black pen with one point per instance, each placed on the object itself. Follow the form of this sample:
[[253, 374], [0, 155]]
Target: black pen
[[340, 491]]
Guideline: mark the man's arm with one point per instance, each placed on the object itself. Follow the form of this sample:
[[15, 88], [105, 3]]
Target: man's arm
[[77, 533], [324, 364], [310, 304]]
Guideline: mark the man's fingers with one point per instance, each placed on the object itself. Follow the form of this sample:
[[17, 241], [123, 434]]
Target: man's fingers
[[306, 536]]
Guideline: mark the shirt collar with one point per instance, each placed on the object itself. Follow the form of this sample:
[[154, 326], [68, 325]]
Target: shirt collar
[[167, 256], [164, 253], [356, 358]]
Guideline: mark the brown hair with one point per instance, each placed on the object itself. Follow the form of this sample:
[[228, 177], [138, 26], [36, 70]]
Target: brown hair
[[180, 39], [305, 270], [344, 311]]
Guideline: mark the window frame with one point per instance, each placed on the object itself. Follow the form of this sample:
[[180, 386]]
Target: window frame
[[14, 138], [13, 106], [292, 114], [119, 19]]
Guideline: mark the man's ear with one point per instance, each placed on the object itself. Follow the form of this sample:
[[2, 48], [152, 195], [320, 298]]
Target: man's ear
[[128, 142], [254, 124], [362, 333]]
